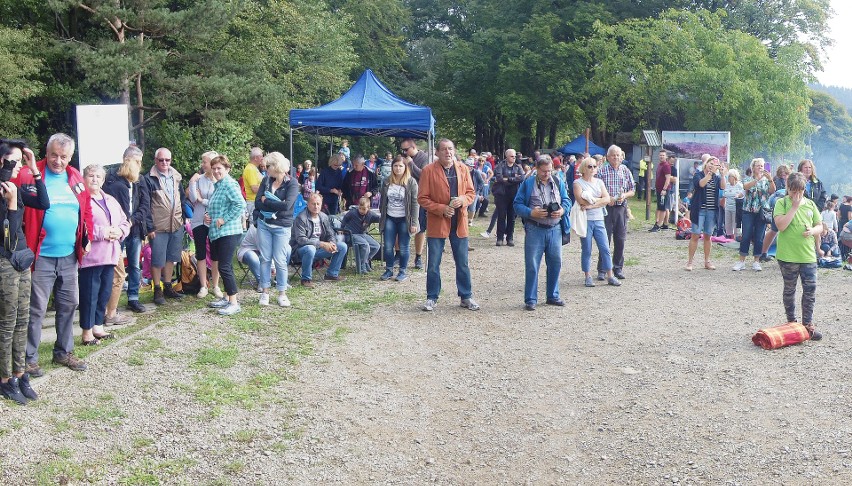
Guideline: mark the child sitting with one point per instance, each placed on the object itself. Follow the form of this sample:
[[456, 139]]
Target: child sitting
[[357, 221]]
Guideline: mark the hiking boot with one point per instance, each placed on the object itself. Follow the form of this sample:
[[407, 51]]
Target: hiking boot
[[34, 370], [135, 306], [159, 299], [418, 262], [815, 335], [169, 292], [71, 361], [469, 304], [26, 389], [11, 391]]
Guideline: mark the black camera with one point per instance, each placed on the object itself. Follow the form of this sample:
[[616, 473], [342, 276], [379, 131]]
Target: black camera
[[9, 165], [551, 208]]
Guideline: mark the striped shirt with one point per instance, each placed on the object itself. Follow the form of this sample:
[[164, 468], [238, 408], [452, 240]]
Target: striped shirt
[[228, 204], [617, 181]]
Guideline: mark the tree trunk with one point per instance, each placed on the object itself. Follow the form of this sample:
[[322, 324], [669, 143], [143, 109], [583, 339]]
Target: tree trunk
[[551, 137], [525, 129], [140, 132]]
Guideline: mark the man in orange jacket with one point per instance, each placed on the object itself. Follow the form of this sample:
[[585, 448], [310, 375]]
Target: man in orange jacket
[[446, 191]]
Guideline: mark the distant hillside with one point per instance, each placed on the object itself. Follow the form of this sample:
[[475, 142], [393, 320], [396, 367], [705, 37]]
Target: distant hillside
[[842, 95]]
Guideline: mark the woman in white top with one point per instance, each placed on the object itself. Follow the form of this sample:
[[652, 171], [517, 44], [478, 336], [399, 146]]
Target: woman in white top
[[400, 212], [733, 191], [201, 188], [591, 194]]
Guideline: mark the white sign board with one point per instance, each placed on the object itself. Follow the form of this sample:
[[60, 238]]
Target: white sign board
[[102, 134]]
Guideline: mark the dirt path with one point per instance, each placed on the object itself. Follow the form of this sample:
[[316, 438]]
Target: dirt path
[[654, 382]]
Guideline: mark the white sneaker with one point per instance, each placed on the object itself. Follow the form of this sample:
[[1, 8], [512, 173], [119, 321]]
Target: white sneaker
[[218, 293], [264, 299], [739, 266], [756, 267], [485, 234], [202, 293], [230, 310], [283, 301], [429, 305]]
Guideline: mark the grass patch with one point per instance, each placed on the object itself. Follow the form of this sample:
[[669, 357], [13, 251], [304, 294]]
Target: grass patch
[[245, 436], [142, 442], [235, 467], [136, 360], [60, 426], [99, 414], [58, 471], [340, 333], [214, 388], [218, 357], [631, 261], [151, 472]]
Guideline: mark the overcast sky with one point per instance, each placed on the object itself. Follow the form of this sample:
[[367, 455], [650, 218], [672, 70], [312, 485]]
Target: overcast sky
[[837, 68]]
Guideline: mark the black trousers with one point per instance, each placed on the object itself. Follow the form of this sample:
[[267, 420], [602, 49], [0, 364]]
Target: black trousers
[[222, 251], [505, 214]]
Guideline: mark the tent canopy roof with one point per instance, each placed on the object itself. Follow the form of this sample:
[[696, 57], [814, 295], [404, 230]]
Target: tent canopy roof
[[369, 108], [578, 146]]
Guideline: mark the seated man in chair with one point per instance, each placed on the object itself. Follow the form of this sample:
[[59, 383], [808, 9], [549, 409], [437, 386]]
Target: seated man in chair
[[314, 239]]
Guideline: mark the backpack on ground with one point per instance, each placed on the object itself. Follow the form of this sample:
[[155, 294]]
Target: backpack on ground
[[188, 281]]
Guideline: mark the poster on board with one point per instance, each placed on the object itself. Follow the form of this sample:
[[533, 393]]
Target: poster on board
[[689, 146], [103, 134]]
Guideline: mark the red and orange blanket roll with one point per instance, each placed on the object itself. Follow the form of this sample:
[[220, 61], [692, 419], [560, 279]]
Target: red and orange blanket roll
[[780, 336]]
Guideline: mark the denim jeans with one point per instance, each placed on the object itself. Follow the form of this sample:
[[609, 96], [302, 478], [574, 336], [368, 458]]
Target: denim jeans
[[310, 253], [95, 289], [753, 231], [367, 246], [433, 266], [537, 242], [252, 260], [808, 274], [706, 223], [829, 251], [615, 223], [133, 246], [595, 230], [396, 228], [274, 245]]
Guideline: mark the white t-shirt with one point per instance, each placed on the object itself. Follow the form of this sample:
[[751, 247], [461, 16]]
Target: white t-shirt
[[396, 201]]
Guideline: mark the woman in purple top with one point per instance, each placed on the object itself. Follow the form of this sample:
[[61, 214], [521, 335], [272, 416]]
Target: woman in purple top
[[111, 226]]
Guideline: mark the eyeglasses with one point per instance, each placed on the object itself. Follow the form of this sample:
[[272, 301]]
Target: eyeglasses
[[159, 159], [403, 150], [591, 166]]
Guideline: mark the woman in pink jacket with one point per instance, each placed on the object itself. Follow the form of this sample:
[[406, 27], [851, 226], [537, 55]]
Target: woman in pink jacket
[[111, 226]]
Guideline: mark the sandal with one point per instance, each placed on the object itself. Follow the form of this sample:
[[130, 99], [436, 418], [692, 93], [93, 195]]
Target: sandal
[[108, 335], [688, 266], [93, 342], [709, 266]]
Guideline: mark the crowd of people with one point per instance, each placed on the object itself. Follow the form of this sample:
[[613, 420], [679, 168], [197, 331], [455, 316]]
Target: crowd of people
[[79, 238]]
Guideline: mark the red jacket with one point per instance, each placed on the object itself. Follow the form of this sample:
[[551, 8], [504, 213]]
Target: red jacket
[[34, 218]]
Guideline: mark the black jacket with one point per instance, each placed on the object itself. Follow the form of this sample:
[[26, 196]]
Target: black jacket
[[119, 188], [287, 193], [817, 194]]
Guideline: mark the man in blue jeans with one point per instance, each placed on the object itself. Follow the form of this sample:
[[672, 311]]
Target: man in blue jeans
[[445, 193], [314, 239], [540, 202]]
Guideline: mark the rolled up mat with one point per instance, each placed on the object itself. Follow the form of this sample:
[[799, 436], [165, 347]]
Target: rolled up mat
[[780, 336]]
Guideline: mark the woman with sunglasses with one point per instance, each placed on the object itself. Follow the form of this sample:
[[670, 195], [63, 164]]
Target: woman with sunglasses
[[591, 194]]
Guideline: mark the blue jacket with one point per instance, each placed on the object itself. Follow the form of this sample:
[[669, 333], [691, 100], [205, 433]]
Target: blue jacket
[[522, 200]]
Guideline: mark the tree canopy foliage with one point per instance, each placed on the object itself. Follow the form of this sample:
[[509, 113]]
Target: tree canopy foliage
[[222, 74]]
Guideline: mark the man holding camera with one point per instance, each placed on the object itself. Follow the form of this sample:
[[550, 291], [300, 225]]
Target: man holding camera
[[59, 237], [541, 202]]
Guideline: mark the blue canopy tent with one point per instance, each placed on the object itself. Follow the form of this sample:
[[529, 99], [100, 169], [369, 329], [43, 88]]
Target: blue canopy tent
[[578, 146], [369, 108]]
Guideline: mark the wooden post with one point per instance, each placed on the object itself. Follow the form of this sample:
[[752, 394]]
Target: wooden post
[[648, 173]]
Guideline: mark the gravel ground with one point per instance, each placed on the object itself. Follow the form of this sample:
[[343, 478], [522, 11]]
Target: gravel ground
[[655, 382]]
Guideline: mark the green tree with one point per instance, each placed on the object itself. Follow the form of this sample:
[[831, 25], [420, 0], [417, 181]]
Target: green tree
[[20, 73], [687, 67]]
